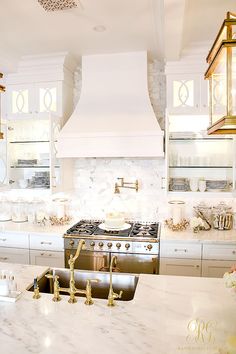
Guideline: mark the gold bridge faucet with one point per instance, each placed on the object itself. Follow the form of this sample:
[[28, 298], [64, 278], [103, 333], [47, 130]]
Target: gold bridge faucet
[[72, 290], [112, 295]]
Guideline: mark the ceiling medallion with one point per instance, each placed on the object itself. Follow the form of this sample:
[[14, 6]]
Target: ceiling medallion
[[57, 5]]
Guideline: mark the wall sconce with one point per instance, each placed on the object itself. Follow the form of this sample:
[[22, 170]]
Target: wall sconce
[[2, 89], [221, 74]]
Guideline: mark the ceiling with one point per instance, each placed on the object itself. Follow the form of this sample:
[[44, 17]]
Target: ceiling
[[163, 27]]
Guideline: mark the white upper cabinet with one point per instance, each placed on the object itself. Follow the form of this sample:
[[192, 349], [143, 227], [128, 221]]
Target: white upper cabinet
[[187, 94], [34, 100]]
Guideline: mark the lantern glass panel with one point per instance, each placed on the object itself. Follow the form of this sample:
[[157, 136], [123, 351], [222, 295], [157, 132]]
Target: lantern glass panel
[[219, 88], [234, 81]]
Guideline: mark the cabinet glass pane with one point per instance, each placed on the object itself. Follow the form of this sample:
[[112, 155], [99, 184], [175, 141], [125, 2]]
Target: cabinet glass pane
[[48, 99], [3, 156], [202, 159], [20, 101], [183, 93]]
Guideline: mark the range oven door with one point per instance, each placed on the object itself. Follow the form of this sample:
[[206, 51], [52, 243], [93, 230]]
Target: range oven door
[[137, 263], [88, 260]]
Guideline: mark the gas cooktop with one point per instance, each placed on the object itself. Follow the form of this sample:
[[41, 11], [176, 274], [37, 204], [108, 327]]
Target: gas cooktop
[[91, 228]]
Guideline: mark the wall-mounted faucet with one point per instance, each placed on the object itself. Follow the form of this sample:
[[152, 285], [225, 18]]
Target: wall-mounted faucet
[[123, 184]]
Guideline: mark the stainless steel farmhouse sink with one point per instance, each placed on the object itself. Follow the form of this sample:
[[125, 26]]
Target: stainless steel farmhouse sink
[[120, 281]]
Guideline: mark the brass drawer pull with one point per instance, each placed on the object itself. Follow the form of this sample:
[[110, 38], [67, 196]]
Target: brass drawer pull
[[45, 243], [180, 250], [234, 252], [45, 254], [3, 239], [3, 258]]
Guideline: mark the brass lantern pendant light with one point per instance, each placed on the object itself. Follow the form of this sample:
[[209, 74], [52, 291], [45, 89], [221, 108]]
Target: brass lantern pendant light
[[221, 74], [2, 89]]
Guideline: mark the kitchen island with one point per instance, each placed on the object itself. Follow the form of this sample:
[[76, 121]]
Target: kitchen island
[[167, 315]]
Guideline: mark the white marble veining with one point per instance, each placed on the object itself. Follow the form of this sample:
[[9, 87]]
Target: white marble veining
[[156, 321]]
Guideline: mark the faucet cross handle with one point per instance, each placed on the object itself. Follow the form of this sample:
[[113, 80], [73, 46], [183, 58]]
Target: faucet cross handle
[[56, 287], [88, 291], [118, 296]]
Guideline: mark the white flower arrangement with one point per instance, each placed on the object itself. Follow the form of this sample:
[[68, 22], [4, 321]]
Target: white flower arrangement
[[196, 223], [230, 278]]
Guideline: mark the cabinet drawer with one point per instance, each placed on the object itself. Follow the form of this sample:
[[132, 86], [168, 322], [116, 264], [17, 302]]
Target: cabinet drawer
[[180, 250], [215, 269], [46, 242], [16, 240], [220, 251], [184, 267], [47, 258], [14, 255]]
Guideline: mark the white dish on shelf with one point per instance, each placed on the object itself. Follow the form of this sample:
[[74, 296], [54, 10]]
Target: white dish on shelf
[[12, 297], [103, 226]]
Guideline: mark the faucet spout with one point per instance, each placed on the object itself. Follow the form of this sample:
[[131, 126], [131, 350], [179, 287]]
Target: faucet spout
[[112, 295]]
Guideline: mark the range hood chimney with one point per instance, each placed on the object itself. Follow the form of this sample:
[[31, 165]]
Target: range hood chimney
[[114, 116]]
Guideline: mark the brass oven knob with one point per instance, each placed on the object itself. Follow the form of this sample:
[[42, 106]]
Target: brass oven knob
[[118, 245], [72, 242], [100, 244], [92, 244], [109, 245], [127, 246], [149, 247]]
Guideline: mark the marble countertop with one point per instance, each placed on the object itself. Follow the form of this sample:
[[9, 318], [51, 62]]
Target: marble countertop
[[168, 315], [166, 234], [27, 227], [211, 236]]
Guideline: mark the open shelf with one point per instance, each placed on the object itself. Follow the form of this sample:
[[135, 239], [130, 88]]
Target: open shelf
[[33, 166], [29, 141]]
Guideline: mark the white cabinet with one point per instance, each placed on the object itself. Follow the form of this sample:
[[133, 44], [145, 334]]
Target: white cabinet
[[47, 249], [178, 266], [180, 249], [15, 240], [14, 255], [47, 258], [218, 258], [187, 94], [34, 100], [32, 153], [180, 258], [215, 269], [46, 242], [220, 251], [3, 154]]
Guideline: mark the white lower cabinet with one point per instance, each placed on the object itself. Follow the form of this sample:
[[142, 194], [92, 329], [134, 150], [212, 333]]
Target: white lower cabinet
[[47, 258], [215, 269], [180, 266], [14, 255]]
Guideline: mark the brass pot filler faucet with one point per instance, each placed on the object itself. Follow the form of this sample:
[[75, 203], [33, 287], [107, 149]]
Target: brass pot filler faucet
[[72, 290]]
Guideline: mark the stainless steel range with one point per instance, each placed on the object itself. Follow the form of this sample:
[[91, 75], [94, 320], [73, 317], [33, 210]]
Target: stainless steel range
[[136, 248]]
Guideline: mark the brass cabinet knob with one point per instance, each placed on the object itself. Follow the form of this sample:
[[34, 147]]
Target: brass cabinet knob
[[109, 245], [118, 245], [100, 244], [71, 242], [92, 244], [149, 247], [127, 246]]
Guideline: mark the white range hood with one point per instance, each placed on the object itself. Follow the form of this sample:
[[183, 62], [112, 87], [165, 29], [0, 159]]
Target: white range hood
[[114, 116]]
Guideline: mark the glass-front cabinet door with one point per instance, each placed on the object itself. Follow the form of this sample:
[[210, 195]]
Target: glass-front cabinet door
[[48, 98], [31, 159], [20, 101], [3, 156], [34, 100], [184, 94]]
